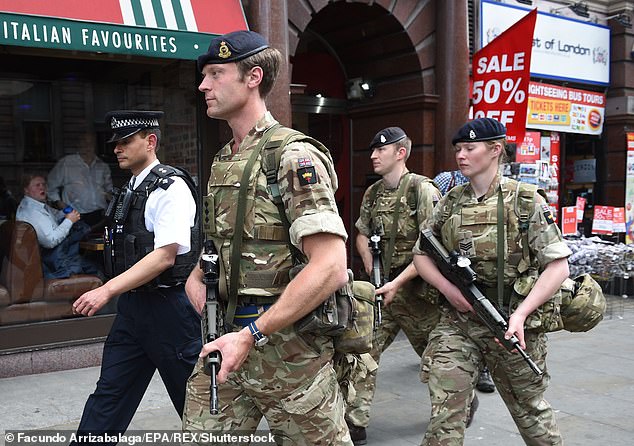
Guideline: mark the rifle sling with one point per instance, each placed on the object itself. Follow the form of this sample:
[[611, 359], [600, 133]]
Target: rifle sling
[[501, 250], [236, 242], [390, 247]]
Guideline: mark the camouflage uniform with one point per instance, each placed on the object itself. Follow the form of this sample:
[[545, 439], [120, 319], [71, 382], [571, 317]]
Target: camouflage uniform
[[290, 380], [460, 342], [414, 308]]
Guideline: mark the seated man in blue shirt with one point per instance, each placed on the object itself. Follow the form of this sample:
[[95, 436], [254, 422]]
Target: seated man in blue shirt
[[57, 233]]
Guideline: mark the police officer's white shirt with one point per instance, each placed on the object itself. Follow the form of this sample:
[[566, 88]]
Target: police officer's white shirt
[[169, 213]]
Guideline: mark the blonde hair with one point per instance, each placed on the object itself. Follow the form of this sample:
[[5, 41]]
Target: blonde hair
[[503, 158]]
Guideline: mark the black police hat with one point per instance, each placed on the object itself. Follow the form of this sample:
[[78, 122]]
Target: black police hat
[[124, 123], [387, 136], [232, 47], [481, 129]]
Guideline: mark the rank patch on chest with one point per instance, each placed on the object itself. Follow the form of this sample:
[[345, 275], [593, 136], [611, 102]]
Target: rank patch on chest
[[307, 175], [547, 214]]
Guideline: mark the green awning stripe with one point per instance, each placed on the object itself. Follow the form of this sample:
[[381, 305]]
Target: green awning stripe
[[138, 12], [158, 14], [180, 17]]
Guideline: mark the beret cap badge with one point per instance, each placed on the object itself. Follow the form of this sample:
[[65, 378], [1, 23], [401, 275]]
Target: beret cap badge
[[481, 129], [388, 135], [224, 50]]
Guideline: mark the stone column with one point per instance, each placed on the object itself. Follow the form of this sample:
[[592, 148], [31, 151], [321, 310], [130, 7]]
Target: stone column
[[452, 77], [271, 20]]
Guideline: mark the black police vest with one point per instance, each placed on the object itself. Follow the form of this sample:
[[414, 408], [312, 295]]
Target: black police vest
[[132, 241]]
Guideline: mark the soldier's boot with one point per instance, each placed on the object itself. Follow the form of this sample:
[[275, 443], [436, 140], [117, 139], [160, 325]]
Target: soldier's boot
[[485, 382], [475, 403], [357, 434]]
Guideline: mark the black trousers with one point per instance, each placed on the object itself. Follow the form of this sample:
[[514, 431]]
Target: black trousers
[[156, 329]]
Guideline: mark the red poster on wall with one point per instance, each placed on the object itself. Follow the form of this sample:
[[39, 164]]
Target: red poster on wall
[[618, 220], [602, 223], [569, 220], [529, 151], [501, 73]]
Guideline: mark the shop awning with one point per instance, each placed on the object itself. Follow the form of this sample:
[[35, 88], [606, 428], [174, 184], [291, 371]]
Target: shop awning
[[177, 29]]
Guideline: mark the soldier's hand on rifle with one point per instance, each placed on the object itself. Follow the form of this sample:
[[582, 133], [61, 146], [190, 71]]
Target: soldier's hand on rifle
[[516, 327], [234, 348], [196, 290], [388, 291]]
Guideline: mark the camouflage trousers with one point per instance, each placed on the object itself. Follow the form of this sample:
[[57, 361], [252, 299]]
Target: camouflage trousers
[[408, 312], [290, 381], [451, 364]]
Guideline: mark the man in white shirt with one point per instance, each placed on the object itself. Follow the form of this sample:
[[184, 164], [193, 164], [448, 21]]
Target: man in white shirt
[[82, 181], [57, 233]]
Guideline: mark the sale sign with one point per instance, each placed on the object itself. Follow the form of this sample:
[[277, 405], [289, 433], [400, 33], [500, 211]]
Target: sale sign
[[569, 220], [501, 77], [618, 220], [581, 206], [529, 151], [602, 223]]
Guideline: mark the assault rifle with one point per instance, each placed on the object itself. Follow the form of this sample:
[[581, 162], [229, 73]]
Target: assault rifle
[[376, 278], [456, 269], [212, 318]]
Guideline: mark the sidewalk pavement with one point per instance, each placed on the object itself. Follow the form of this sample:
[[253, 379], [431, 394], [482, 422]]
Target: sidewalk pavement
[[592, 391]]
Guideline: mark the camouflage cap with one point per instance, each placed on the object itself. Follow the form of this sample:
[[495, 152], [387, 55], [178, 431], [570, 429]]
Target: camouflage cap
[[232, 47], [124, 123], [481, 129], [387, 136]]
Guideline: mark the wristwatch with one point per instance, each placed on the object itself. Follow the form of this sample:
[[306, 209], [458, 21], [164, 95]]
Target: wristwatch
[[258, 337]]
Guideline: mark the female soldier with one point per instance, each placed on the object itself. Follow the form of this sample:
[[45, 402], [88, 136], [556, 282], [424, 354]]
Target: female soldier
[[466, 220]]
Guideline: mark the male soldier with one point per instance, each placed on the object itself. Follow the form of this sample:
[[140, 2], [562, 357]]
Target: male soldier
[[268, 368], [394, 208], [156, 327]]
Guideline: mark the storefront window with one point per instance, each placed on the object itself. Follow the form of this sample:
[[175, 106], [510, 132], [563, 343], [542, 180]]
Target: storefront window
[[47, 104]]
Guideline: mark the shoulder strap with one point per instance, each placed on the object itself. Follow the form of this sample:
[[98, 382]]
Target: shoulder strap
[[390, 247], [524, 204]]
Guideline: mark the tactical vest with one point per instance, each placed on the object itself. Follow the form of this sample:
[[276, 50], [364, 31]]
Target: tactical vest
[[131, 241], [266, 255], [382, 217]]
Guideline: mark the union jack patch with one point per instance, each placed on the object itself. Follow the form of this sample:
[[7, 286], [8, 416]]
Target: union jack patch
[[304, 162]]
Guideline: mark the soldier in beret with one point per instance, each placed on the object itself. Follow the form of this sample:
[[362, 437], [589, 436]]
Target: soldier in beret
[[466, 220], [268, 368], [151, 247], [394, 208]]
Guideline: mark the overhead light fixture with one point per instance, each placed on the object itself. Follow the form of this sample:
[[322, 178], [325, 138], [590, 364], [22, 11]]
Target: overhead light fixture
[[525, 2], [579, 8], [624, 19]]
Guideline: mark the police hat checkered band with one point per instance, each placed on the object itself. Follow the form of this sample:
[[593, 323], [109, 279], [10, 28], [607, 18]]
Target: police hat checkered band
[[387, 136], [481, 129], [232, 47], [125, 123]]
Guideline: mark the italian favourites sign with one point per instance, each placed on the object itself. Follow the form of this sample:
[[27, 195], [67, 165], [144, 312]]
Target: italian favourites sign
[[557, 108]]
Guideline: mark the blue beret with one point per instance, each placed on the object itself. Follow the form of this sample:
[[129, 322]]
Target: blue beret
[[387, 136], [481, 129], [124, 123], [232, 47]]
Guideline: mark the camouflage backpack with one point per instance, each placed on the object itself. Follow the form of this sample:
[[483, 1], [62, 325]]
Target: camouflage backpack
[[582, 301], [347, 315]]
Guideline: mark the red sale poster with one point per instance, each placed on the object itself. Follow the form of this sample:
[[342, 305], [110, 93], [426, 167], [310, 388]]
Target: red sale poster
[[602, 223], [501, 73], [618, 220], [569, 220], [529, 151]]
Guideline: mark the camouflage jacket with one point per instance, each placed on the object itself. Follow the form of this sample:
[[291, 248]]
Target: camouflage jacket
[[378, 212], [308, 200], [469, 226]]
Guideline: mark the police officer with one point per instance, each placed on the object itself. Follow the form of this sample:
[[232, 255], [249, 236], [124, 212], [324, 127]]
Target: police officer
[[268, 368], [156, 327], [466, 220], [401, 201]]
